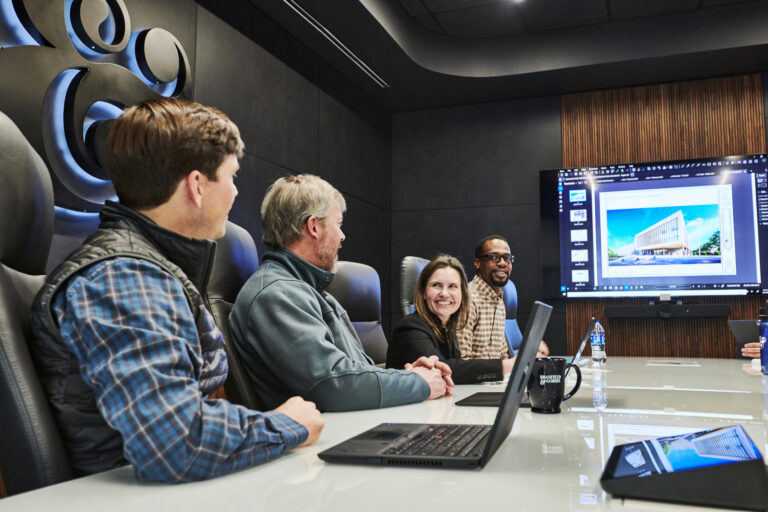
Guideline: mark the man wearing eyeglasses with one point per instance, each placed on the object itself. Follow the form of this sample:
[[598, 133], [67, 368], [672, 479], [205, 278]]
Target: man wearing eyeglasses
[[483, 337]]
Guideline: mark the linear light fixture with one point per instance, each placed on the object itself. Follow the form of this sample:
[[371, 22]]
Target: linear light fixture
[[335, 42]]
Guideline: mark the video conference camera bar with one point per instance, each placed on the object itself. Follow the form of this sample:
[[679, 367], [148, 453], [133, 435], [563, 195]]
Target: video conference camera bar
[[667, 308]]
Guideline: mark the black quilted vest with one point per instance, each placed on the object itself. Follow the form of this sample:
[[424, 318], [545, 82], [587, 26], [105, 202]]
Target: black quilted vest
[[92, 445]]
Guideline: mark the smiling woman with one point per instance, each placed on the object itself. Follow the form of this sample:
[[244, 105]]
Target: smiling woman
[[441, 299], [443, 293]]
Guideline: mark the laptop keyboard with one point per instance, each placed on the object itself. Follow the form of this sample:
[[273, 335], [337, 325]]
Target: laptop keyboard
[[444, 440]]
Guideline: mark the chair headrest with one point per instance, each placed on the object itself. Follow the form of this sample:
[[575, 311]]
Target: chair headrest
[[236, 259], [510, 299], [410, 269], [26, 202], [357, 288]]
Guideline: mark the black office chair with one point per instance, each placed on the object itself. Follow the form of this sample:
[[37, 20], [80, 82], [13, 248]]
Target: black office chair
[[358, 289], [511, 328], [31, 451], [235, 260], [410, 268]]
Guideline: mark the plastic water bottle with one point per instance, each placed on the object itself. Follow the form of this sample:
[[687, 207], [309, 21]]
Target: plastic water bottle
[[597, 340], [763, 335], [599, 390]]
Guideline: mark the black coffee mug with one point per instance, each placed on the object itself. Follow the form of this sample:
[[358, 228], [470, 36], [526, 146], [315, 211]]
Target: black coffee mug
[[546, 385]]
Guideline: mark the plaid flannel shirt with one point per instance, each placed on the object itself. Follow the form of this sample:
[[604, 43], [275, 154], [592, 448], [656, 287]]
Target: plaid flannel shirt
[[131, 328], [483, 336]]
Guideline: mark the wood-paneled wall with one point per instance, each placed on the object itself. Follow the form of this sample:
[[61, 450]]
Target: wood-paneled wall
[[697, 119], [703, 118]]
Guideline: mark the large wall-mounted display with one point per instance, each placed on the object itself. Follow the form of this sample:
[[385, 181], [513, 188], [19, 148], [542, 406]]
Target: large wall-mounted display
[[683, 227]]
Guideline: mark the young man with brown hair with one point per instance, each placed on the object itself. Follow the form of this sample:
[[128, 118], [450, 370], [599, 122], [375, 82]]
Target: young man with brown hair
[[126, 349]]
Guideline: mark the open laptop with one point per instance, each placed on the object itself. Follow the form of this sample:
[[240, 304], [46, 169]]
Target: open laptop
[[493, 398], [583, 343], [447, 445]]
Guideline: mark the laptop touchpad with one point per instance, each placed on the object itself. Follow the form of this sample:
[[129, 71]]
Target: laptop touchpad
[[380, 435]]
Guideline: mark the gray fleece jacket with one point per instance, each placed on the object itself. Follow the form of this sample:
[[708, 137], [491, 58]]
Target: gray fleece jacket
[[293, 338]]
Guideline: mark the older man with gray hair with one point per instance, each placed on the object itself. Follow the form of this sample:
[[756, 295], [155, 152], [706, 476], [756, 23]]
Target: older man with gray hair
[[292, 336]]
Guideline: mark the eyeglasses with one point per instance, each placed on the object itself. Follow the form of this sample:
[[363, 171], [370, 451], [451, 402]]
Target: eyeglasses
[[495, 258]]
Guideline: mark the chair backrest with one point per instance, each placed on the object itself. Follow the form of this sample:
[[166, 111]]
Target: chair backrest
[[512, 329], [32, 453], [410, 268], [235, 260], [358, 289]]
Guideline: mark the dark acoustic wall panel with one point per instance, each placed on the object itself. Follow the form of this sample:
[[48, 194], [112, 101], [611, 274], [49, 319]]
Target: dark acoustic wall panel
[[459, 174], [714, 117], [274, 107], [355, 152]]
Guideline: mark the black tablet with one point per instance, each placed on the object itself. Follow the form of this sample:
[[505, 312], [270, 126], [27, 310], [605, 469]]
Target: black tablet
[[718, 467], [490, 399], [745, 331]]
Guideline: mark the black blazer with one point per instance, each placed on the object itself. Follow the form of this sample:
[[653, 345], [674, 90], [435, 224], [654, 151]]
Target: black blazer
[[414, 338]]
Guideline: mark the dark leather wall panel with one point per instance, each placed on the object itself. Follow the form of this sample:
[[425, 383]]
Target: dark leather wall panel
[[461, 173]]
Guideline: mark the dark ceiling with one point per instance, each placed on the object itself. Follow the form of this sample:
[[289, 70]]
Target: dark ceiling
[[418, 54], [504, 18]]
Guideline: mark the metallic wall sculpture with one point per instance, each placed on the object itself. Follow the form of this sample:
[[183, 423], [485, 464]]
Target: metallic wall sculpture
[[67, 67]]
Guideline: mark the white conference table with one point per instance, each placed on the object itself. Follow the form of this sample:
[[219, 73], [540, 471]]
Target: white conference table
[[549, 462]]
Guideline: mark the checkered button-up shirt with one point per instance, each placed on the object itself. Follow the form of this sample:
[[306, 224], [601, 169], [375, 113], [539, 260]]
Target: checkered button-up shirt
[[483, 337], [131, 328]]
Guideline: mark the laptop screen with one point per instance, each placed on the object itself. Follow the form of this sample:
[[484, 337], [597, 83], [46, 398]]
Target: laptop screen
[[584, 340], [534, 332]]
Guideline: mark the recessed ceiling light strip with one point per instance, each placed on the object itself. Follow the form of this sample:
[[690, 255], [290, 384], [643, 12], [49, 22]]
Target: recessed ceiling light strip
[[335, 42]]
